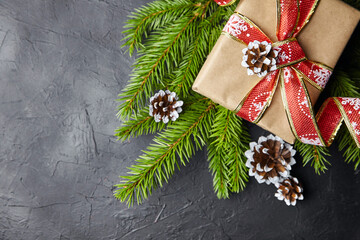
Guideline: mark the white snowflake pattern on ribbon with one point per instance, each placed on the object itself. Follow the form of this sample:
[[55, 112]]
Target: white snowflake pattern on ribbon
[[355, 102], [303, 103], [257, 106], [235, 26], [355, 125], [269, 77], [282, 6], [287, 75], [311, 141], [321, 76], [283, 56]]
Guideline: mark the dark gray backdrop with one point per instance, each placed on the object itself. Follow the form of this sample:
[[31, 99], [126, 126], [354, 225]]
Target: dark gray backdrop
[[61, 68]]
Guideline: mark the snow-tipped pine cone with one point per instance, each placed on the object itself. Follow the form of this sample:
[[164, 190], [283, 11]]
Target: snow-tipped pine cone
[[259, 58], [289, 190], [270, 159], [165, 106]]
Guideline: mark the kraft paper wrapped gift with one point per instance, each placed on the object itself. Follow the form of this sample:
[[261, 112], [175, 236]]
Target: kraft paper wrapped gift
[[226, 82]]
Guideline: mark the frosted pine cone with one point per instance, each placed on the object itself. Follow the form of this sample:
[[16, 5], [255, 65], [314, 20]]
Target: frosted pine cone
[[259, 58], [289, 190], [165, 106], [270, 159]]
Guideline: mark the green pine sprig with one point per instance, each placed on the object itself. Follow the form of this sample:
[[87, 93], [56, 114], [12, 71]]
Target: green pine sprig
[[163, 51], [209, 30], [226, 153], [144, 124], [161, 54], [141, 124], [344, 85], [183, 51], [348, 146], [313, 155], [152, 17], [190, 65], [172, 147]]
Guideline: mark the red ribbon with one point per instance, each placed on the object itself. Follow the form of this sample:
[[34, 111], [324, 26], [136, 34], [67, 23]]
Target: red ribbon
[[293, 69], [224, 3]]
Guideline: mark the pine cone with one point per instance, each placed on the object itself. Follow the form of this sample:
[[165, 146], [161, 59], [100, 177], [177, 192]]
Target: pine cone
[[165, 105], [289, 190], [259, 58], [270, 159]]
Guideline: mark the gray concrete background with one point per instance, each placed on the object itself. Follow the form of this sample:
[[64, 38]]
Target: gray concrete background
[[61, 69]]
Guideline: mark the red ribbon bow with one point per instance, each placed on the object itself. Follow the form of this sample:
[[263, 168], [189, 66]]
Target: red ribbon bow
[[293, 69]]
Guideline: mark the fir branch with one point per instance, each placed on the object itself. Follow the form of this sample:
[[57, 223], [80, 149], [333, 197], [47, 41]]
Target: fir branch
[[187, 71], [230, 10], [350, 150], [191, 63], [151, 17], [315, 155], [238, 170], [228, 142], [217, 154], [157, 164], [141, 124], [158, 58], [196, 54], [219, 170], [342, 85]]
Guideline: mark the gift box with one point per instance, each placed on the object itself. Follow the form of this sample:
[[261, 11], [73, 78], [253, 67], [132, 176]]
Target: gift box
[[318, 33]]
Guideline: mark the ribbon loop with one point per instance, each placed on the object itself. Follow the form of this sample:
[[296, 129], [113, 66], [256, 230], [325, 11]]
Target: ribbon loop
[[244, 30], [333, 112]]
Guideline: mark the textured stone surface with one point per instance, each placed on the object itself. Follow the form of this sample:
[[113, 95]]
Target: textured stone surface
[[61, 69]]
